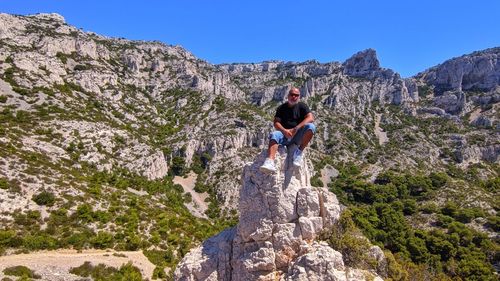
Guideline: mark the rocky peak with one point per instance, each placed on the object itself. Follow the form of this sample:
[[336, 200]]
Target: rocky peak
[[281, 216], [362, 63]]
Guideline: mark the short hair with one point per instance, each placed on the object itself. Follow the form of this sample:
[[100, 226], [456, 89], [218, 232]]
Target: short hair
[[293, 89]]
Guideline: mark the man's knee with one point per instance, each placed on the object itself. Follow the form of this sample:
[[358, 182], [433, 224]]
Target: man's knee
[[276, 136], [311, 127]]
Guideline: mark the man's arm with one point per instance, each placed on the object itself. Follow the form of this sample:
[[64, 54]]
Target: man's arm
[[277, 124], [308, 119]]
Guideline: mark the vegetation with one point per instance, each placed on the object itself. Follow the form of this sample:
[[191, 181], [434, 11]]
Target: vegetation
[[44, 198], [102, 272], [383, 211], [21, 271]]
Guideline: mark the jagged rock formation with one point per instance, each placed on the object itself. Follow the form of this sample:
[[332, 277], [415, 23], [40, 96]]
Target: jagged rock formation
[[281, 215], [477, 71]]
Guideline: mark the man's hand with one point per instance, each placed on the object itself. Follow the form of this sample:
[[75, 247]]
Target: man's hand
[[289, 133]]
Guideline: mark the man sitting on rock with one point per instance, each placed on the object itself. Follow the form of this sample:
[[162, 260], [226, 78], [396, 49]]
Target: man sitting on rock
[[293, 121]]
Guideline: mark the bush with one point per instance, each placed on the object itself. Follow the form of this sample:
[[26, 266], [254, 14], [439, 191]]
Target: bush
[[160, 258], [494, 223], [471, 268], [346, 238], [467, 215], [85, 213], [63, 57], [102, 240], [429, 208], [438, 179], [188, 198], [21, 271], [159, 273], [79, 240], [80, 67], [178, 165], [4, 184], [492, 184], [39, 242], [450, 209], [409, 206], [44, 198], [102, 272], [316, 181]]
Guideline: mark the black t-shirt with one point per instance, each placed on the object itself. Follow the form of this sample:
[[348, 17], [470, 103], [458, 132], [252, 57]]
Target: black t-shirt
[[292, 116]]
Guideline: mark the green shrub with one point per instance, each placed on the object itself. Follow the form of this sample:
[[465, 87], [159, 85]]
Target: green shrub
[[21, 271], [133, 243], [188, 198], [159, 273], [438, 179], [63, 57], [3, 99], [4, 184], [346, 238], [8, 238], [160, 258], [468, 214], [470, 267], [101, 272], [200, 186], [178, 165], [492, 184], [80, 67], [79, 240], [409, 206], [443, 220], [85, 213], [429, 208], [44, 198], [450, 209], [316, 180], [494, 223], [39, 242], [102, 240]]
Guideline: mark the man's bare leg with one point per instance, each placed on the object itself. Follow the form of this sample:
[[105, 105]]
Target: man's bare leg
[[306, 139], [273, 148]]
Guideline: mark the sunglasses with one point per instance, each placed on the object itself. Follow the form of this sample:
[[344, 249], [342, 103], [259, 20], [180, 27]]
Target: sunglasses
[[294, 95]]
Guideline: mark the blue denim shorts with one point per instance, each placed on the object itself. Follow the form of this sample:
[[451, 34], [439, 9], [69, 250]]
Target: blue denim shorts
[[279, 138]]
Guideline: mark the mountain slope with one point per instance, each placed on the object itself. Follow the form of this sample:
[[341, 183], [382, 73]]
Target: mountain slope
[[94, 128]]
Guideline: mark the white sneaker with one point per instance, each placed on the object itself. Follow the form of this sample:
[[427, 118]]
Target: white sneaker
[[297, 158], [268, 166]]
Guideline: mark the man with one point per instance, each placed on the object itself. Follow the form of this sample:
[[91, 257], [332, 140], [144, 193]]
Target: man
[[293, 122]]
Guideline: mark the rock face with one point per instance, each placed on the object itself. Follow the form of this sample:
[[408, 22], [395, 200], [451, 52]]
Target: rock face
[[362, 64], [479, 70], [280, 217]]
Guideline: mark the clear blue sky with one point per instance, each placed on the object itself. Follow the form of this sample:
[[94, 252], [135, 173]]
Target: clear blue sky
[[409, 36]]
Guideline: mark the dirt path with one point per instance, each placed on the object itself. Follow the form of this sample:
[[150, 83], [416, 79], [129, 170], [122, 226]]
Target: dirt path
[[381, 135], [198, 206], [474, 114], [55, 265]]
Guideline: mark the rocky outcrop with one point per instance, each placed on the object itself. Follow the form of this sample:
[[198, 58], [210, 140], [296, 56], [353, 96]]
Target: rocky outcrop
[[281, 215], [479, 71], [362, 64]]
